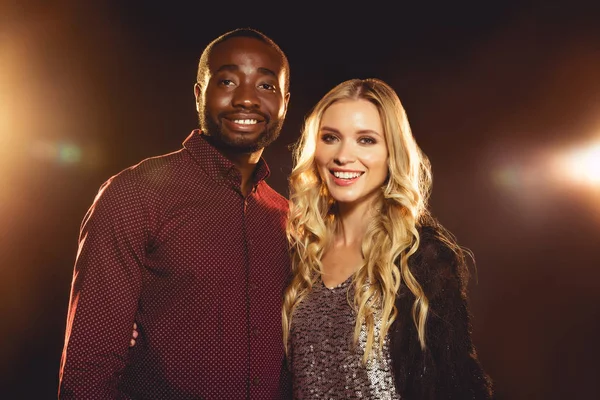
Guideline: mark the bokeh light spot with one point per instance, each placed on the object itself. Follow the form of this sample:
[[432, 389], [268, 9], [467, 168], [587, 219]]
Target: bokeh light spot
[[60, 153], [69, 153]]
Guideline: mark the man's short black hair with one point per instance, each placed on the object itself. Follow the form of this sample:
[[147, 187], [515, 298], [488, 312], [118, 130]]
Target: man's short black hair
[[243, 32]]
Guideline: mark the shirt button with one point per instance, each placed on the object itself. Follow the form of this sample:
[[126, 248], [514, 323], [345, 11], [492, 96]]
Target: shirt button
[[255, 332], [253, 286], [255, 381]]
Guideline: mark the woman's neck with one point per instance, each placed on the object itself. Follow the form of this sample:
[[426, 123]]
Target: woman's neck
[[353, 223], [344, 254]]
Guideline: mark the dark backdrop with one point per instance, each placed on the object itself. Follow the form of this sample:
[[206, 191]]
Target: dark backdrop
[[496, 92]]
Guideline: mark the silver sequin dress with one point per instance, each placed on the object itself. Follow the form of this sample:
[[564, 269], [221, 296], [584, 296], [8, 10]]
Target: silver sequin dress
[[324, 365]]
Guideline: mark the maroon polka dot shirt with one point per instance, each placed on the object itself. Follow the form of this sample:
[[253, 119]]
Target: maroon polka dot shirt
[[172, 244]]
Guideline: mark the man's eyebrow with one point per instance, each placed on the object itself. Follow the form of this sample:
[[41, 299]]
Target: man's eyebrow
[[227, 67], [233, 68], [267, 71]]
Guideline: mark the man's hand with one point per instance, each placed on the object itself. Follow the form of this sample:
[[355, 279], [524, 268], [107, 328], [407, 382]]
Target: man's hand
[[134, 335]]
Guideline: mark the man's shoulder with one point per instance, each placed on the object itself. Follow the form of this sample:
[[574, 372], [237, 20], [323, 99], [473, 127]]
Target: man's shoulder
[[163, 163], [147, 176], [151, 169]]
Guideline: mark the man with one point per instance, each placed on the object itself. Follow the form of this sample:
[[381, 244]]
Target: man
[[191, 246]]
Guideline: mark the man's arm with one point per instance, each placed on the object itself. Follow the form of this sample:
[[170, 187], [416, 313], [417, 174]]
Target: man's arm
[[104, 293]]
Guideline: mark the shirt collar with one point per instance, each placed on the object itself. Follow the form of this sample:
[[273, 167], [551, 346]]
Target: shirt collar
[[216, 165]]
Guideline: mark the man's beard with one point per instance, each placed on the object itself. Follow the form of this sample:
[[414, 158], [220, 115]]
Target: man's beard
[[239, 144]]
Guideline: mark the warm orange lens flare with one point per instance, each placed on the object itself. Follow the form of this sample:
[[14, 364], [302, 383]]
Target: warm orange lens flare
[[583, 165]]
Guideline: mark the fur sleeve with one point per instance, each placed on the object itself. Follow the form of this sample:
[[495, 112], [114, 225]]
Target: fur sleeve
[[449, 367]]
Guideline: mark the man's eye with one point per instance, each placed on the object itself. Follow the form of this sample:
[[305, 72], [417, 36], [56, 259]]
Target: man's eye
[[267, 86], [226, 82]]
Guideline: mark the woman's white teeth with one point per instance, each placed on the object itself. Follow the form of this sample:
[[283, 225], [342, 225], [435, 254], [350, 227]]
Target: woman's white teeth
[[346, 175], [245, 121]]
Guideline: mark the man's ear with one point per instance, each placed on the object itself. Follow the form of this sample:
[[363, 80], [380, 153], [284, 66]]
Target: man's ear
[[287, 100], [197, 91]]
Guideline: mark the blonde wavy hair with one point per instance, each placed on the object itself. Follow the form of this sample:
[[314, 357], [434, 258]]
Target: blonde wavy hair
[[392, 235]]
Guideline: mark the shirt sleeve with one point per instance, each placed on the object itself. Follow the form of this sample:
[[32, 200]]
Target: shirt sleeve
[[104, 293], [449, 367]]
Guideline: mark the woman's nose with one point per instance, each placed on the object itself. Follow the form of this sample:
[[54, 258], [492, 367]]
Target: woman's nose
[[345, 154]]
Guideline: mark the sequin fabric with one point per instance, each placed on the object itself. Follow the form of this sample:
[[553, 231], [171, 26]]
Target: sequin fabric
[[324, 363]]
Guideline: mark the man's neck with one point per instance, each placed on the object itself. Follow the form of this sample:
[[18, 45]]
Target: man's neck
[[243, 162], [246, 164]]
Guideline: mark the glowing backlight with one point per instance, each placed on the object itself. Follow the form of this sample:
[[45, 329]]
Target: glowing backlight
[[583, 165]]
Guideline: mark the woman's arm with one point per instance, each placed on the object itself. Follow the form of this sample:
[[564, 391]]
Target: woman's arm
[[449, 367]]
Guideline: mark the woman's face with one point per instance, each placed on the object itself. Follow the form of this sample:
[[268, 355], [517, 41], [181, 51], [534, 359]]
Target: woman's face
[[351, 152]]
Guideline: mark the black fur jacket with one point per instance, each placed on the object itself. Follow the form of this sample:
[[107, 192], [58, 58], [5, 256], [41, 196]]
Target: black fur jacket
[[449, 367]]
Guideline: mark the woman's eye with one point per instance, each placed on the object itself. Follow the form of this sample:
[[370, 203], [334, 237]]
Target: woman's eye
[[327, 138], [367, 140]]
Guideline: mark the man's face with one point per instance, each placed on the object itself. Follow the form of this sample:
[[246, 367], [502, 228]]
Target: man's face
[[241, 103]]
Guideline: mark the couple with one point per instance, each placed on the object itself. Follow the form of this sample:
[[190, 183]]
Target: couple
[[207, 260]]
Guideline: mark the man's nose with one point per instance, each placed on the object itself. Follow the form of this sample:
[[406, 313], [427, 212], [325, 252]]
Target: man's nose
[[246, 96]]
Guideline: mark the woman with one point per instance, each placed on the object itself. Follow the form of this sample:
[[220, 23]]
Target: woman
[[377, 305]]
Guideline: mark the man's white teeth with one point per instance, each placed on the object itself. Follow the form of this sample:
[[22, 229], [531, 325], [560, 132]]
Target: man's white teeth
[[346, 175], [245, 121]]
